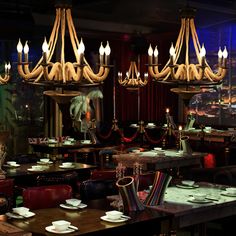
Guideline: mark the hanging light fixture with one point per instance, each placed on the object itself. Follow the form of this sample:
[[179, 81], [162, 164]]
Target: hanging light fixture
[[5, 78], [187, 75], [132, 80], [62, 71]]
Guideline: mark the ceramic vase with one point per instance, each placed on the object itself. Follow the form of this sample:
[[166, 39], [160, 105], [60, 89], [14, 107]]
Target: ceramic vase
[[127, 189], [157, 192]]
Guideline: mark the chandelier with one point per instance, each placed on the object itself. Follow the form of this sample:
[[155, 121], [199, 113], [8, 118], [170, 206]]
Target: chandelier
[[187, 75], [62, 71], [132, 81], [5, 78]]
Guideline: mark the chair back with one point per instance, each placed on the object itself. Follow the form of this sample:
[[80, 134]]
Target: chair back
[[46, 196]]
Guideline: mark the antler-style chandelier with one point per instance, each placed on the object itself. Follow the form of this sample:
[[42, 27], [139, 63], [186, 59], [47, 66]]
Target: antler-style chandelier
[[187, 73], [62, 71], [132, 81], [5, 78]]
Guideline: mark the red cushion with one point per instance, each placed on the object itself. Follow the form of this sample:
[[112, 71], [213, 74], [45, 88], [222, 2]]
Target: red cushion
[[46, 196], [209, 161]]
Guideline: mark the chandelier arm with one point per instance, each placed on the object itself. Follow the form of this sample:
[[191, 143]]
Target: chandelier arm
[[72, 33], [56, 68], [198, 74], [179, 74], [31, 75], [215, 77], [63, 28], [4, 79], [39, 77], [95, 77], [157, 76], [196, 43], [71, 72], [87, 76], [187, 52]]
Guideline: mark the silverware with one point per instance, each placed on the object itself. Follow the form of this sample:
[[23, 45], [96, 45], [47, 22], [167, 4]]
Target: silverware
[[125, 217], [73, 227]]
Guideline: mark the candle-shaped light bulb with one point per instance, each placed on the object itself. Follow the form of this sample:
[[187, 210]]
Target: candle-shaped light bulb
[[172, 54], [107, 53], [180, 128], [127, 74], [202, 55], [19, 48], [101, 53], [220, 55], [138, 74], [225, 55], [167, 110], [45, 50], [150, 53], [119, 74], [6, 67], [81, 48], [156, 55], [145, 75], [26, 51]]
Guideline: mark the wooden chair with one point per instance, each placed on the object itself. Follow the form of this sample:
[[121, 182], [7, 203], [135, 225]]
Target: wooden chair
[[46, 196]]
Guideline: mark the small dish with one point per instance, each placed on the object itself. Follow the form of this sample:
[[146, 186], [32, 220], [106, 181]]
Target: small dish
[[227, 194], [17, 216], [33, 170], [69, 207], [105, 218], [51, 229], [202, 201], [12, 166], [67, 167], [44, 163], [186, 186]]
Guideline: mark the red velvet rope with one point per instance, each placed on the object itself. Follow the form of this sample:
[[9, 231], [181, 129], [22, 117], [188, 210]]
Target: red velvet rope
[[155, 141], [105, 136], [128, 139]]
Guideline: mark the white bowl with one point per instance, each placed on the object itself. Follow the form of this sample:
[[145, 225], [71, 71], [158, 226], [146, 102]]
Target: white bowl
[[68, 142], [36, 167], [199, 196], [73, 201], [61, 225], [20, 210], [71, 139], [114, 215], [67, 164], [51, 140], [11, 163], [157, 148], [44, 160], [86, 141], [188, 182], [231, 190]]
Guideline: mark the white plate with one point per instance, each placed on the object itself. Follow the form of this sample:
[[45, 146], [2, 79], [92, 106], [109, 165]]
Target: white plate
[[105, 218], [187, 186], [33, 170], [67, 167], [16, 216], [51, 229], [12, 166], [192, 199], [44, 163], [228, 194], [66, 206]]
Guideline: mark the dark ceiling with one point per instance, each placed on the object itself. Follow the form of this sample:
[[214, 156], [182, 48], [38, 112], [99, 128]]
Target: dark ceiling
[[121, 15]]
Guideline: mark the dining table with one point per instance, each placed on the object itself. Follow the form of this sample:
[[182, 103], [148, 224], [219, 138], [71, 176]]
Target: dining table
[[154, 160], [90, 221], [23, 173]]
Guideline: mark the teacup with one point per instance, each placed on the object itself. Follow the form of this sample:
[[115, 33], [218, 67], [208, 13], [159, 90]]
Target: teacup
[[61, 225], [44, 160], [52, 140], [11, 163], [199, 196], [20, 210], [71, 139], [150, 124], [73, 202], [67, 164], [157, 148], [68, 142], [231, 190], [36, 167], [187, 182], [114, 215]]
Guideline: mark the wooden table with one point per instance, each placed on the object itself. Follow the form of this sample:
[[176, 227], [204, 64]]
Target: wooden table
[[22, 175], [88, 221], [151, 160], [185, 213]]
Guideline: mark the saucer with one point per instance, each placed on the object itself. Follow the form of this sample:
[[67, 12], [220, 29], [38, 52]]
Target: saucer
[[67, 167], [224, 193], [16, 216], [51, 229], [205, 200], [105, 218], [67, 206], [187, 186], [12, 166], [44, 163], [33, 170]]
